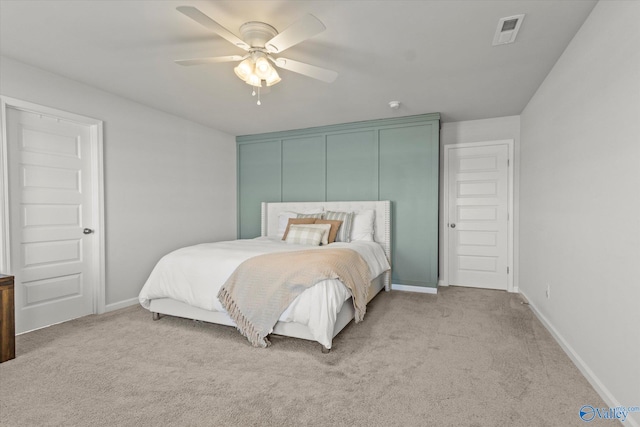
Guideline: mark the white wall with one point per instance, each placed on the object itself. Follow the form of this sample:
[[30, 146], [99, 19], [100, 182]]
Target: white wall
[[169, 182], [580, 201], [495, 129], [481, 130]]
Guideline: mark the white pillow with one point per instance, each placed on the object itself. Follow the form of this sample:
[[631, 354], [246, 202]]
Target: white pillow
[[326, 228], [363, 225], [283, 218], [301, 235]]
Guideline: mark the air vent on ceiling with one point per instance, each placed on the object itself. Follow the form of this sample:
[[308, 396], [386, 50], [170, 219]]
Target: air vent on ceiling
[[507, 29]]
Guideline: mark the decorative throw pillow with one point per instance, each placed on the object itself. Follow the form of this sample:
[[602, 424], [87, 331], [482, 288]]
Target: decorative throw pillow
[[303, 235], [297, 221], [310, 215], [363, 225], [326, 229], [344, 232], [335, 226]]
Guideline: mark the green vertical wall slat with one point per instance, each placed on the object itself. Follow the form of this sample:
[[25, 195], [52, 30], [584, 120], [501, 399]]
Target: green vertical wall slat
[[409, 178], [259, 180], [352, 166], [303, 169]]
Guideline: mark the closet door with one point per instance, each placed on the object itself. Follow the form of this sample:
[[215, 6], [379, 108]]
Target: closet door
[[259, 177], [409, 178]]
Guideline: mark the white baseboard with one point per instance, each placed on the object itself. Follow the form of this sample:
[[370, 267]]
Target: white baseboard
[[121, 304], [595, 382], [441, 283], [409, 288]]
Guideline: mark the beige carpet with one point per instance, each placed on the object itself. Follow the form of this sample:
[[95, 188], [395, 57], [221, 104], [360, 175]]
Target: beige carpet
[[465, 357]]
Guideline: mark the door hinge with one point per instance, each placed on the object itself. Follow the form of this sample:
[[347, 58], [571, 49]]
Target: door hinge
[[508, 162], [507, 270]]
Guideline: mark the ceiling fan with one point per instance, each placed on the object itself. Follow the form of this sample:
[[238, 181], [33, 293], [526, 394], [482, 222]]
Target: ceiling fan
[[262, 42]]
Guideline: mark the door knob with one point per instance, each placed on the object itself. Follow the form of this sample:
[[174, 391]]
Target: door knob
[[87, 231], [453, 226]]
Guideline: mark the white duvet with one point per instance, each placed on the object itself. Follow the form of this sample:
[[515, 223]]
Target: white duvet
[[194, 275]]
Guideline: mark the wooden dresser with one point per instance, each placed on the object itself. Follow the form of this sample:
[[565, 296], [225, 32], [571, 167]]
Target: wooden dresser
[[7, 319]]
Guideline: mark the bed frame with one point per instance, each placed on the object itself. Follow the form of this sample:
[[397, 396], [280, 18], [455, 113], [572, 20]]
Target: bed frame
[[269, 221]]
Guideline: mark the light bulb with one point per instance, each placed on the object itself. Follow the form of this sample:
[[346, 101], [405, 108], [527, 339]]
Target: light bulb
[[263, 68], [254, 80]]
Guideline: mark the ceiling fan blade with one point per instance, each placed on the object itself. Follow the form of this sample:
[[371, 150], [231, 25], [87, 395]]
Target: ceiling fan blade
[[209, 23], [304, 28], [211, 60], [319, 73]]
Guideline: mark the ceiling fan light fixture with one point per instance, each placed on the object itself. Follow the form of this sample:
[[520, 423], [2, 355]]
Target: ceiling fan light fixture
[[256, 69]]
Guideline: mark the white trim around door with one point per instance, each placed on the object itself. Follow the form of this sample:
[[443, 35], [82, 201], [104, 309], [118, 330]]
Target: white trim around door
[[98, 241], [509, 143]]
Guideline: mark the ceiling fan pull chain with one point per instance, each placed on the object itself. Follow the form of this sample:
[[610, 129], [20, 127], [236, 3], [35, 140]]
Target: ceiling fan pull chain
[[259, 103]]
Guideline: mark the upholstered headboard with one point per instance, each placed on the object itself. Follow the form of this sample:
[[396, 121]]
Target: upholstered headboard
[[382, 229]]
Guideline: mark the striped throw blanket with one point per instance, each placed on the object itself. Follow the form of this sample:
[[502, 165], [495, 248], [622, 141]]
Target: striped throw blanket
[[262, 287]]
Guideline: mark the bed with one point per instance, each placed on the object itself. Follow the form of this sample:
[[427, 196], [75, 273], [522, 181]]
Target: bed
[[180, 286]]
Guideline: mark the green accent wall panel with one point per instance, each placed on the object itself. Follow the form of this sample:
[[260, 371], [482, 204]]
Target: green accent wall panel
[[409, 178], [259, 177], [352, 166], [389, 159], [303, 169]]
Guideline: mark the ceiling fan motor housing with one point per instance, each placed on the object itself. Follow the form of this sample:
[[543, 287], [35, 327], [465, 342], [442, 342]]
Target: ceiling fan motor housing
[[257, 34]]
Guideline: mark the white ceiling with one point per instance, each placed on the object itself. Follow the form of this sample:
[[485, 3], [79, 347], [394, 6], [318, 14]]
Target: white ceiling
[[432, 56]]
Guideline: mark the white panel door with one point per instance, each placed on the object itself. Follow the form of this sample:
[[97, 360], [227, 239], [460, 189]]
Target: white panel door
[[50, 211], [477, 216]]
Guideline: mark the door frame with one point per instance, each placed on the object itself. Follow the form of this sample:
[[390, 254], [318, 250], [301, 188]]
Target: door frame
[[510, 193], [97, 279]]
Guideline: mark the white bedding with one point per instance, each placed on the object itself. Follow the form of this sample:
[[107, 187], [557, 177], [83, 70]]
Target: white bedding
[[194, 275]]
